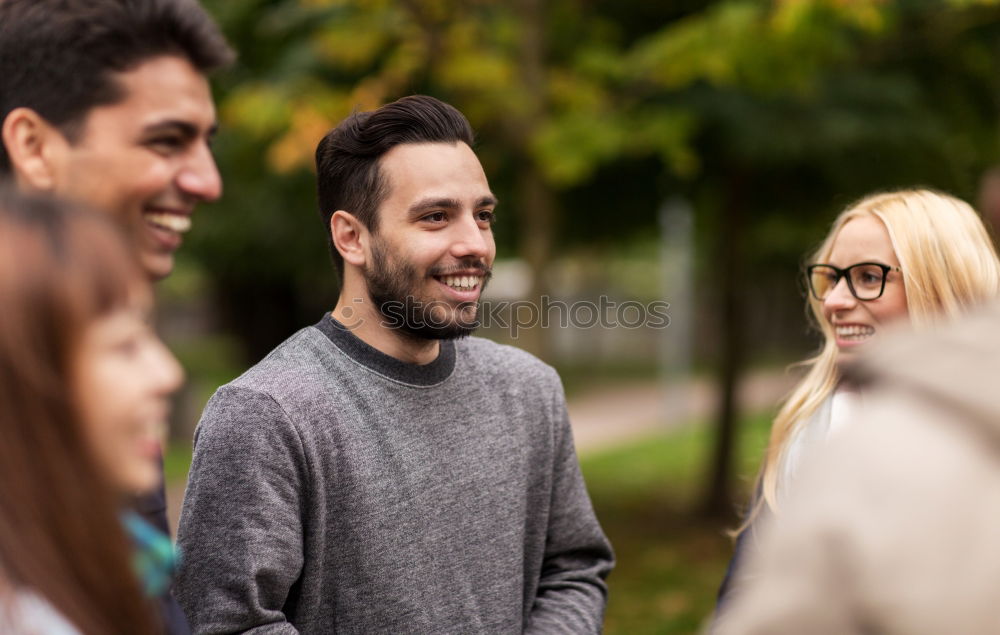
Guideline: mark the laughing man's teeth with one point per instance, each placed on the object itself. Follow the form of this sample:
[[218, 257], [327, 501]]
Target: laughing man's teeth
[[854, 332], [461, 282], [174, 222]]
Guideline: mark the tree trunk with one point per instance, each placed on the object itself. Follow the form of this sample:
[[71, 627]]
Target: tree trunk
[[536, 202], [537, 206], [717, 500]]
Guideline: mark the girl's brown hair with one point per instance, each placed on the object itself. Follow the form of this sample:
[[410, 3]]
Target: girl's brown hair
[[60, 534]]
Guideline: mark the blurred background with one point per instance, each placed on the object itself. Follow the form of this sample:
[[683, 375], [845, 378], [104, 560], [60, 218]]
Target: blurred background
[[676, 151]]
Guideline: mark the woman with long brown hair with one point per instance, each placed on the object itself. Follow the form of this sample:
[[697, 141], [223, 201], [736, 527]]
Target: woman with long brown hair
[[84, 384]]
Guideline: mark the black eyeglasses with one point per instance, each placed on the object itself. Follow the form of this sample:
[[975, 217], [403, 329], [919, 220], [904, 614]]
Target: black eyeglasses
[[866, 280]]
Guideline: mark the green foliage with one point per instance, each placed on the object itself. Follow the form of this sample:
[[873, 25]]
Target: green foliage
[[590, 143], [791, 108], [750, 81]]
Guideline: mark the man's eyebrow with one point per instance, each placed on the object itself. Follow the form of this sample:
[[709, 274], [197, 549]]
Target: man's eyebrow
[[427, 204], [434, 203], [186, 128]]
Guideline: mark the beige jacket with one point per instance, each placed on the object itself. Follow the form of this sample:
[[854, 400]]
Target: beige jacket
[[894, 526]]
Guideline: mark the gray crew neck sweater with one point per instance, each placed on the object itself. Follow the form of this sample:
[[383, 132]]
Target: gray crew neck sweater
[[335, 489]]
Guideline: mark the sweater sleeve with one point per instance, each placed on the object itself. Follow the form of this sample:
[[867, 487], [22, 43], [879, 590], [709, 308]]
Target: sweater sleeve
[[571, 591], [240, 534]]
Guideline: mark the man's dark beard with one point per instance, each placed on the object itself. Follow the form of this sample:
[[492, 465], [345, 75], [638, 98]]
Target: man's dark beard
[[391, 286]]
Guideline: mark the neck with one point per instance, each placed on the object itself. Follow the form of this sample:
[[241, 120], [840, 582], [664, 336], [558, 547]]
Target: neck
[[364, 320]]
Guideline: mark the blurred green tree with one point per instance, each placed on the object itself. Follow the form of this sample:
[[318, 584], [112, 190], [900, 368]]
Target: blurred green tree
[[800, 106], [536, 79], [768, 115]]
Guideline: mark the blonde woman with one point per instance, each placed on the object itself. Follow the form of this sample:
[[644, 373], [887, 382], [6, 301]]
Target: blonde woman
[[915, 256]]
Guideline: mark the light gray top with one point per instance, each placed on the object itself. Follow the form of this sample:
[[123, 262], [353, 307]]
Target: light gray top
[[835, 413], [26, 613], [335, 489]]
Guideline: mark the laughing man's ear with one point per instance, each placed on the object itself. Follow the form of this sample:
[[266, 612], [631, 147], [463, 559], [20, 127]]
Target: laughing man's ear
[[34, 147], [350, 237]]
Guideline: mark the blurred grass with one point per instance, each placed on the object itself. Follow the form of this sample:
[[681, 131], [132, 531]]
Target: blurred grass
[[645, 493], [670, 560]]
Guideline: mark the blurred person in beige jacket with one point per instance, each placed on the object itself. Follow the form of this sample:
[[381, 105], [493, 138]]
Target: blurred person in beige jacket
[[893, 524]]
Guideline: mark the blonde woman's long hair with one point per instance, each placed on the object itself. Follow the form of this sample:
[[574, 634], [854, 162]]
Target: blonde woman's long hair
[[948, 264]]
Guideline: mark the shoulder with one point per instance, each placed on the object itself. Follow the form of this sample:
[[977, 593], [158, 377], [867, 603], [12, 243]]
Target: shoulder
[[505, 362], [298, 359], [291, 375]]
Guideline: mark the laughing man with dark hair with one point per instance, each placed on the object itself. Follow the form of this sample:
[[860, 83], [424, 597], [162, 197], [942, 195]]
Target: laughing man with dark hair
[[106, 102]]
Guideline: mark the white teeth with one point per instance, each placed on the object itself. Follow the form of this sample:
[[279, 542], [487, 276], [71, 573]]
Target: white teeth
[[855, 332], [174, 222], [463, 283]]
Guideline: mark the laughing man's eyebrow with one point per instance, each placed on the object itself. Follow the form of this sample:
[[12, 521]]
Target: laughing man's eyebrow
[[186, 128]]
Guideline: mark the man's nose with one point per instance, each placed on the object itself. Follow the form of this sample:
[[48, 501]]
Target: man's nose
[[199, 176], [471, 240]]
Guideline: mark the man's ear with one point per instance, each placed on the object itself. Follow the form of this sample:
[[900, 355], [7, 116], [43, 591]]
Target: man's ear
[[350, 237], [34, 147]]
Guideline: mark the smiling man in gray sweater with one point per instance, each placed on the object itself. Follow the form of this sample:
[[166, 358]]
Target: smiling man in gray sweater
[[378, 472]]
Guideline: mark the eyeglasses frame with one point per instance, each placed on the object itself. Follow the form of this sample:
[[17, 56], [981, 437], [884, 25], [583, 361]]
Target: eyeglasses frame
[[843, 273]]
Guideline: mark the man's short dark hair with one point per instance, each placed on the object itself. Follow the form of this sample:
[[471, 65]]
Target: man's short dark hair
[[348, 171], [59, 57]]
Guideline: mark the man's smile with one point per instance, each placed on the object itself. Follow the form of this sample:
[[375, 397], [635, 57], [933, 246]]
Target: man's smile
[[462, 285], [176, 222]]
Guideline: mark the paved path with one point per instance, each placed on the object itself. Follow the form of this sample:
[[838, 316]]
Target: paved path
[[605, 416], [618, 414]]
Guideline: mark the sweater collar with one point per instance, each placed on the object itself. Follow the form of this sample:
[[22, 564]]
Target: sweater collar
[[375, 360]]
